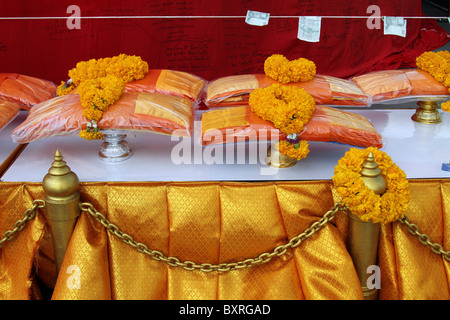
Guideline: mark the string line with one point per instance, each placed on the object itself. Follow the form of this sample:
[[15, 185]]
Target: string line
[[206, 17]]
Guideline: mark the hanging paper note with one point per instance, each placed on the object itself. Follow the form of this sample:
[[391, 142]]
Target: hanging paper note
[[395, 26], [256, 18], [309, 29]]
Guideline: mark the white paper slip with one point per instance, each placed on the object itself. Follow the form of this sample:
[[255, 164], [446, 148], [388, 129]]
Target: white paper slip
[[256, 18], [309, 29], [395, 26]]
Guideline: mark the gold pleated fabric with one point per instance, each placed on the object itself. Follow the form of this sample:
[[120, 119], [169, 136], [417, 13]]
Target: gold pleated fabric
[[410, 270], [17, 256], [216, 222], [209, 223]]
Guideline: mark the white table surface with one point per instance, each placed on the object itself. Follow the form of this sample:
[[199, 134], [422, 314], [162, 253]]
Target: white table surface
[[7, 146], [418, 149]]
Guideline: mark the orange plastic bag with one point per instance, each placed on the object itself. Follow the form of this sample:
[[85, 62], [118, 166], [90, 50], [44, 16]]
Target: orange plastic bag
[[8, 111], [391, 84], [234, 124], [24, 90], [149, 112], [326, 90]]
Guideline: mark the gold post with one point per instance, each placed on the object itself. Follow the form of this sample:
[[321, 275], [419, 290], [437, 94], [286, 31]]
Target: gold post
[[363, 236], [62, 205], [427, 112]]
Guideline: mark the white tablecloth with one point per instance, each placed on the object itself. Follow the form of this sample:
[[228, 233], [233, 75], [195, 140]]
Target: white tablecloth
[[418, 149], [7, 146]]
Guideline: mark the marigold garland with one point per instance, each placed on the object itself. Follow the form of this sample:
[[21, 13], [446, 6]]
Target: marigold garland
[[65, 88], [289, 108], [128, 68], [100, 84], [91, 135], [297, 151], [438, 65], [362, 201], [100, 93], [281, 69]]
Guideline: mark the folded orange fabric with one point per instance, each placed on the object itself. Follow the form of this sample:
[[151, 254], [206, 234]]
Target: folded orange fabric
[[8, 111], [227, 125], [170, 82], [151, 112], [326, 90], [25, 90], [390, 84]]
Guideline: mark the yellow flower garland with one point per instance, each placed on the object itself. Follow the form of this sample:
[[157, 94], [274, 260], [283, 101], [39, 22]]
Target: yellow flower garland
[[281, 69], [128, 68], [100, 84], [301, 152], [65, 88], [361, 201], [289, 108], [100, 93], [438, 65], [91, 135]]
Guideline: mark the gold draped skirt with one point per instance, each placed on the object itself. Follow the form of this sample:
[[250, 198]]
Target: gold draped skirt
[[216, 222]]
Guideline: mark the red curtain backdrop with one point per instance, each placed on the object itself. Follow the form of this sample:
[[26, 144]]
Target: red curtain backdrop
[[210, 48]]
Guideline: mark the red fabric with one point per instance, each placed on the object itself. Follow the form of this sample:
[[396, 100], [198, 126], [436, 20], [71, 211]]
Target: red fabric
[[209, 48]]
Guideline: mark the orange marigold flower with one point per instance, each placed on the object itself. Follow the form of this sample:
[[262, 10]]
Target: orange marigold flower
[[289, 150], [101, 82], [279, 68], [362, 201], [438, 65], [91, 135], [445, 106], [289, 108]]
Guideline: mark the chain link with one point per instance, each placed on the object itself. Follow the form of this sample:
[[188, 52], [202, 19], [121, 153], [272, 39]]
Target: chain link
[[208, 267], [29, 214], [425, 239], [265, 257]]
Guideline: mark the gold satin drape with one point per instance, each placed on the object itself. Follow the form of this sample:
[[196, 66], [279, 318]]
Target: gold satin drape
[[218, 222], [17, 256]]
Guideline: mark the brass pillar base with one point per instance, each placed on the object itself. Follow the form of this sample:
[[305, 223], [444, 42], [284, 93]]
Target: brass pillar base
[[363, 248], [370, 294], [427, 113], [276, 159]]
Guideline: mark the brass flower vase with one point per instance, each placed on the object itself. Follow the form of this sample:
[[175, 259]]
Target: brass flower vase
[[427, 112], [275, 159], [114, 147]]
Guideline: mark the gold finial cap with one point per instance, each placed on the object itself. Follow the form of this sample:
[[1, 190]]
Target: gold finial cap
[[372, 176], [60, 181], [59, 167]]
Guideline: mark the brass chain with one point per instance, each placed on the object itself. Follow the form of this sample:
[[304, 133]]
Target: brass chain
[[20, 224], [265, 257], [208, 267], [425, 239]]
